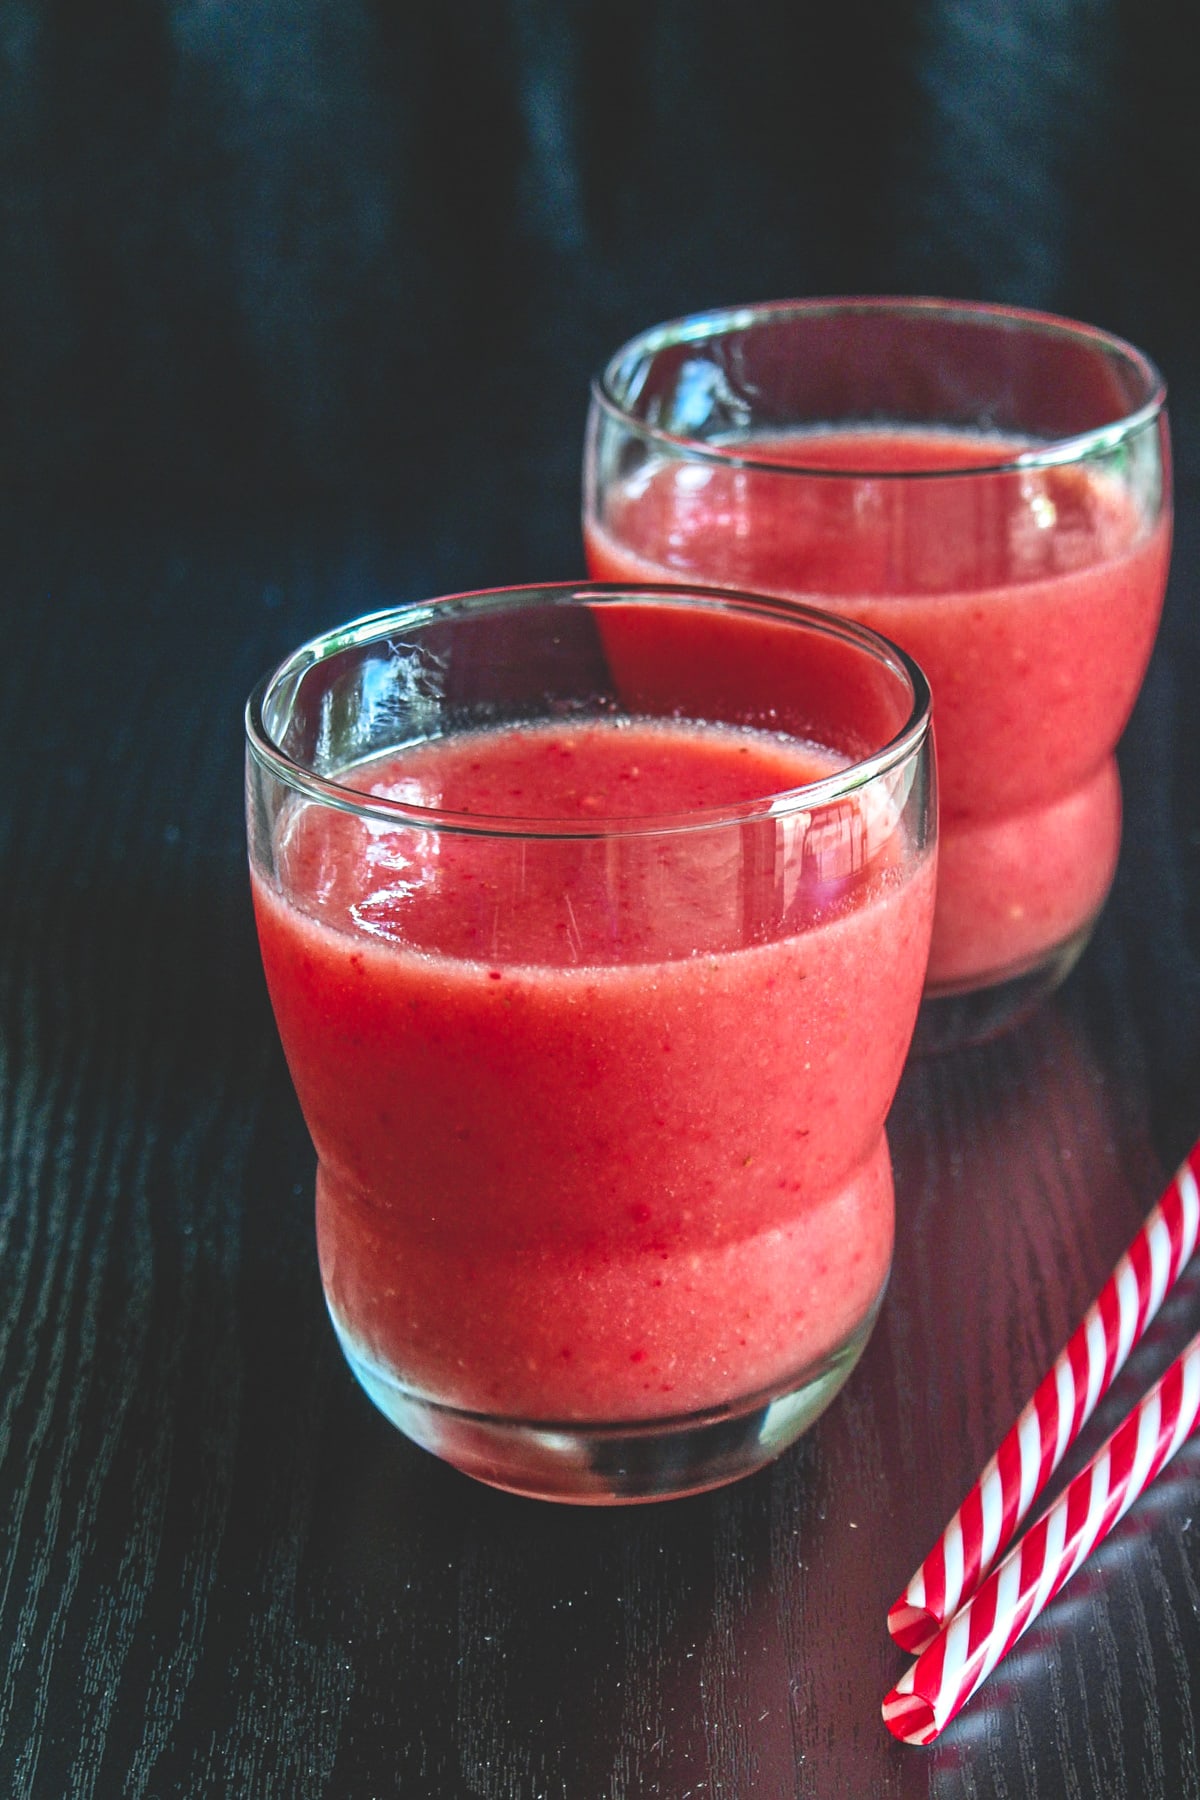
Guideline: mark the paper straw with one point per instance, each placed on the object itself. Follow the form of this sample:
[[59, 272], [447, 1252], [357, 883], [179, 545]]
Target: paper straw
[[962, 1656], [1065, 1399]]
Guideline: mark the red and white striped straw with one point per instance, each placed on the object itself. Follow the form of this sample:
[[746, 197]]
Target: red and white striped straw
[[1051, 1421], [963, 1655]]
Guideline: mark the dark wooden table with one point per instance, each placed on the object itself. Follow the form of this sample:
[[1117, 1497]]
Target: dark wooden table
[[221, 1572]]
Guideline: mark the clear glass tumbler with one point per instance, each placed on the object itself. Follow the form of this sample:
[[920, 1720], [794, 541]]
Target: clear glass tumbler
[[989, 488], [595, 923]]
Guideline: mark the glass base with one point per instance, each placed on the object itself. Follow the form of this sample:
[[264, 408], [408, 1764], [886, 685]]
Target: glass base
[[956, 1015], [590, 1464]]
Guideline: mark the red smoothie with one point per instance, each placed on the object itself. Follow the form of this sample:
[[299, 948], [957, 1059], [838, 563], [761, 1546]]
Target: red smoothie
[[1030, 599], [600, 1137]]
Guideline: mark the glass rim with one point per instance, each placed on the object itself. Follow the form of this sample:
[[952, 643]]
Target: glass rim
[[902, 747], [719, 321]]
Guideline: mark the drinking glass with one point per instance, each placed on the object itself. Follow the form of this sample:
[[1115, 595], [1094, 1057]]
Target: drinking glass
[[986, 486], [595, 922]]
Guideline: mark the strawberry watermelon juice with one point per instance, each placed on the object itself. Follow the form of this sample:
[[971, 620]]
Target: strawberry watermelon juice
[[564, 1189], [595, 1017], [1034, 640], [989, 487]]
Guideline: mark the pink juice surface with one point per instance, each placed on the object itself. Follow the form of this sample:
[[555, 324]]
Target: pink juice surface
[[600, 1136], [1030, 600]]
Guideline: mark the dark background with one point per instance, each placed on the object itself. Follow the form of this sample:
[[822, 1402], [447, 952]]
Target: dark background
[[366, 252], [298, 307]]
